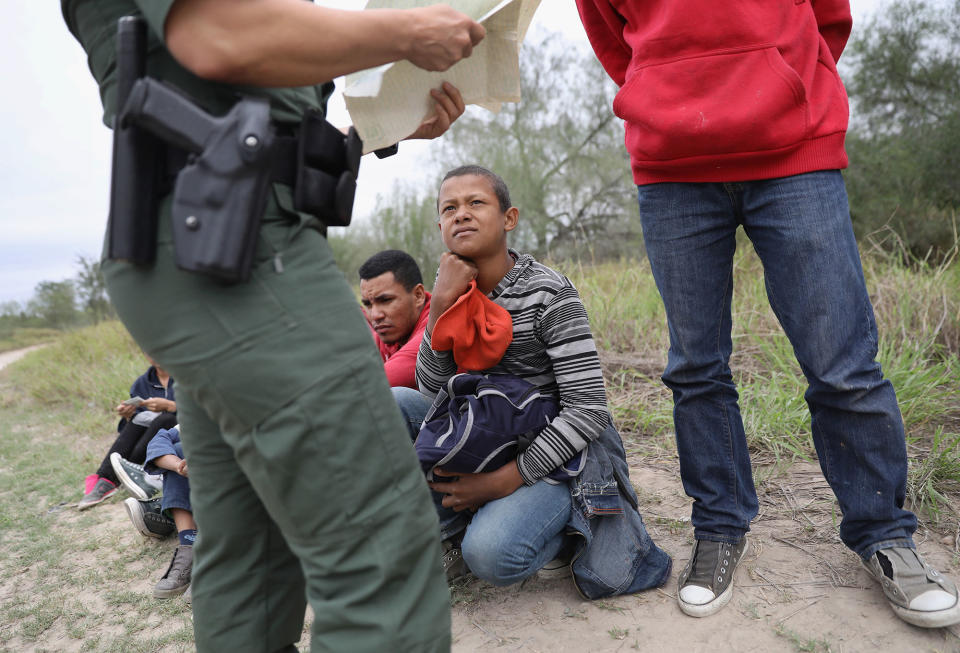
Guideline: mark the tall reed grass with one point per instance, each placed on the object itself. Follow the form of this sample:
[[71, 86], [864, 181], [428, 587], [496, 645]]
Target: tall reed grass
[[917, 306]]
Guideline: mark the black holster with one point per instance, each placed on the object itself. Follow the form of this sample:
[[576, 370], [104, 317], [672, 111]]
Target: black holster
[[224, 168], [220, 193]]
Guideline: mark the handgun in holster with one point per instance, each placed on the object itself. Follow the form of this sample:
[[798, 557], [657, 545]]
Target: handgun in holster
[[228, 165]]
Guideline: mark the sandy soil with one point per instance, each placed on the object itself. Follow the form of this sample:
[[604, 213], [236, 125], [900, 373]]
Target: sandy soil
[[798, 589]]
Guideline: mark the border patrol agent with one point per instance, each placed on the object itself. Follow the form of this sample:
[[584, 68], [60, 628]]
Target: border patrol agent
[[305, 484]]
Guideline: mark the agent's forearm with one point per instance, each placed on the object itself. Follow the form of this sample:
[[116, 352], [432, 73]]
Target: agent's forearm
[[296, 43]]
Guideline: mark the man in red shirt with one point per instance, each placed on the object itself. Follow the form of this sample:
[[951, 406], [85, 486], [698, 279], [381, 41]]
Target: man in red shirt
[[397, 307], [735, 116]]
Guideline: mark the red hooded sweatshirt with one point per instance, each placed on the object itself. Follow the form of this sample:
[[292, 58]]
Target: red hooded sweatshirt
[[725, 90]]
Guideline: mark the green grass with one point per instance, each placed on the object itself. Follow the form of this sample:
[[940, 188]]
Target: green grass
[[25, 337], [86, 579], [66, 577]]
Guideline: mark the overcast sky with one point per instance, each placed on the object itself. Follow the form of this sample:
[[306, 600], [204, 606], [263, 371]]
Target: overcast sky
[[54, 172]]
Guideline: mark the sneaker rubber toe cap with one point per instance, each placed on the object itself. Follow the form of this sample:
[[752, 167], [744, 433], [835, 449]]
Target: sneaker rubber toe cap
[[696, 595], [932, 601]]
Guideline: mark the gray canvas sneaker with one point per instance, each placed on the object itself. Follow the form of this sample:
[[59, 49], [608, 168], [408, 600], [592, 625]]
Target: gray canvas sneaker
[[452, 561], [706, 583], [177, 579], [134, 478], [918, 593]]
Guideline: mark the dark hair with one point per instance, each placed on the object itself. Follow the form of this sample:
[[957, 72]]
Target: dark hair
[[499, 185], [405, 269]]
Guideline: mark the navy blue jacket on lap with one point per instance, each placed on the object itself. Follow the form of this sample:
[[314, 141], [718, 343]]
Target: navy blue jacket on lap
[[479, 422]]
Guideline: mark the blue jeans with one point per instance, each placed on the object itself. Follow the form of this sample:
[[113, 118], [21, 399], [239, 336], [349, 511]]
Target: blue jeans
[[509, 539], [413, 407], [506, 540], [176, 488], [800, 228]]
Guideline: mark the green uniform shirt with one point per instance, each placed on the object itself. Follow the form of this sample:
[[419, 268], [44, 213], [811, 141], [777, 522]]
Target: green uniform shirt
[[94, 24]]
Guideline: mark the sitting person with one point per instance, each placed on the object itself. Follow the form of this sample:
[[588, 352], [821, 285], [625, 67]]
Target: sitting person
[[151, 407], [396, 306], [171, 513], [513, 521]]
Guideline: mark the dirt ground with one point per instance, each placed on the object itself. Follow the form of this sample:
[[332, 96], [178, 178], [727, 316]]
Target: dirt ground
[[797, 589]]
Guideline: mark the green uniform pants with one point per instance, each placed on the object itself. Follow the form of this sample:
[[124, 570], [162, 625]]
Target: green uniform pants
[[303, 480]]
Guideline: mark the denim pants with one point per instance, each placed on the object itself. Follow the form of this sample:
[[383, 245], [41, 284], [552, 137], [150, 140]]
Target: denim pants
[[176, 488], [413, 407], [506, 540], [800, 228]]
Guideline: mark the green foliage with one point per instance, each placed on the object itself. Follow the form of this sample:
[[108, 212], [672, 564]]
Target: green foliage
[[54, 302], [87, 372], [934, 476], [18, 338], [92, 290], [906, 63], [918, 316], [561, 153], [407, 221], [904, 144], [61, 304]]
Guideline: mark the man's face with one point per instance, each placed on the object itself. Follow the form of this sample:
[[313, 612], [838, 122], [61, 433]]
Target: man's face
[[390, 308], [471, 222]]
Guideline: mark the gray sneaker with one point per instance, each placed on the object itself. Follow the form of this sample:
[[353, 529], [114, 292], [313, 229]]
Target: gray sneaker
[[452, 561], [706, 583], [103, 489], [177, 579], [148, 519], [134, 479], [917, 592]]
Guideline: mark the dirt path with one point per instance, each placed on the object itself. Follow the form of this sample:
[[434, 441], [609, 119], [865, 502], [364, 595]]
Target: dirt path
[[13, 355], [798, 589]]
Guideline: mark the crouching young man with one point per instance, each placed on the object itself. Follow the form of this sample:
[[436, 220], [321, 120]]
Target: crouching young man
[[511, 522]]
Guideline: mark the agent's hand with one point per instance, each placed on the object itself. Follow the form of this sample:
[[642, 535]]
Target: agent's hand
[[441, 37], [126, 411], [182, 467], [473, 491], [160, 405], [448, 106], [453, 277]]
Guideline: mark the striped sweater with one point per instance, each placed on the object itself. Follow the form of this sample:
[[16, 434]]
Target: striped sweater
[[553, 349]]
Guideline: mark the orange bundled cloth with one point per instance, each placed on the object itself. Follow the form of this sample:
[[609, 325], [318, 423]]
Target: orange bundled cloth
[[477, 330]]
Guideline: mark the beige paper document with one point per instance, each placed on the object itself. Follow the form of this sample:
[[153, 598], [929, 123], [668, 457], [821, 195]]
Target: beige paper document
[[389, 102]]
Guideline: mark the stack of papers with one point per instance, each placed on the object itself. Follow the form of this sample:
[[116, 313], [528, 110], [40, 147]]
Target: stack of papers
[[389, 102]]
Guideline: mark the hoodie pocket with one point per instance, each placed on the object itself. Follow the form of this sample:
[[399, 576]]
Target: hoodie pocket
[[720, 103]]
